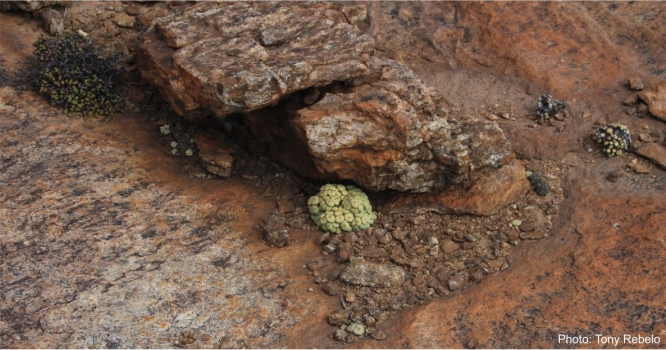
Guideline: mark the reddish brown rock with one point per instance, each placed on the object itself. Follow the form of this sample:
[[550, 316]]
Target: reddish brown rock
[[124, 20], [557, 285], [639, 167], [655, 98], [636, 84], [389, 132], [382, 129], [223, 58], [485, 197], [53, 22], [654, 152], [214, 153]]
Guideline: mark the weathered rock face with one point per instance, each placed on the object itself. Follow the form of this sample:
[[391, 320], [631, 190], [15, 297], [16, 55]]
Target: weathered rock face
[[225, 58], [393, 133], [379, 125], [485, 197]]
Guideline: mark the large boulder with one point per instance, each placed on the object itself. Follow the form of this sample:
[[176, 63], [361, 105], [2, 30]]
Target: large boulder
[[238, 57], [343, 114], [391, 132]]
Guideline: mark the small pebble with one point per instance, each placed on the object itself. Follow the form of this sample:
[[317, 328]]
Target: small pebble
[[331, 289], [516, 222], [350, 297], [533, 235], [340, 335], [540, 187], [458, 281], [449, 246], [527, 226], [379, 335], [614, 176], [338, 318], [329, 248], [636, 83]]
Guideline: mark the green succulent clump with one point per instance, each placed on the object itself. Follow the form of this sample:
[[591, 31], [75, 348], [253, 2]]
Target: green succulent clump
[[338, 208], [614, 137], [67, 70]]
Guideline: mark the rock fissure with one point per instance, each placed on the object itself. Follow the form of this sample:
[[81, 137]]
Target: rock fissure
[[369, 132]]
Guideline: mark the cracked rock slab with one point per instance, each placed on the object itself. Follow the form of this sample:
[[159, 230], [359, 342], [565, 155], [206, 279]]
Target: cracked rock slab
[[336, 112], [239, 57]]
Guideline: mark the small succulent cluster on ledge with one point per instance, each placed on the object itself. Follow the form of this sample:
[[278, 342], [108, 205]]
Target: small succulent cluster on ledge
[[338, 208], [67, 70], [615, 139], [181, 139], [548, 107]]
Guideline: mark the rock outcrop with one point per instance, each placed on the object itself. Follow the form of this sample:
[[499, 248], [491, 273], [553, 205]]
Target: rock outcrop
[[345, 115], [396, 133], [239, 57], [107, 243]]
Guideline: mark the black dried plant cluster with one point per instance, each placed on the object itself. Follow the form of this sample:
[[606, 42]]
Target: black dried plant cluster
[[68, 71], [548, 107]]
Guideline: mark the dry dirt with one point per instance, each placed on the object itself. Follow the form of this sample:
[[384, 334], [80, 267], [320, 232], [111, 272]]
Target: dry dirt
[[109, 240]]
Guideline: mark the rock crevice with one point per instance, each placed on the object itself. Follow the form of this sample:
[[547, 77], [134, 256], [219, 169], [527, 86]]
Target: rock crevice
[[336, 111]]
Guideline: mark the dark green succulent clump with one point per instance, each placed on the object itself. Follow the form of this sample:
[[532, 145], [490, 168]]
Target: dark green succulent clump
[[67, 70], [614, 137]]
